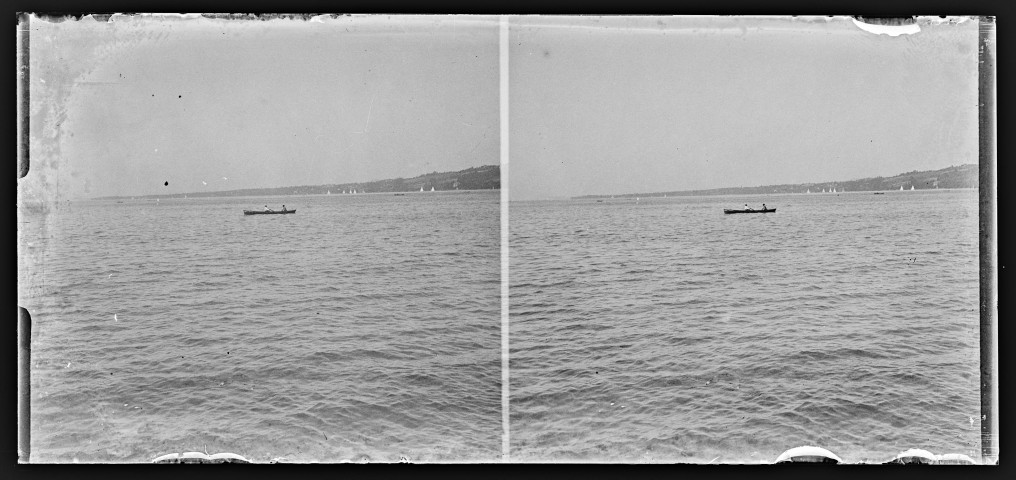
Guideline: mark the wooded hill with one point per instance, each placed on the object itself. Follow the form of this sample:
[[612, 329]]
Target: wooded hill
[[477, 178], [961, 176]]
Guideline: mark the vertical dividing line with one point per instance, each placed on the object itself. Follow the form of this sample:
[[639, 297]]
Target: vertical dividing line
[[24, 34], [503, 55], [25, 386], [987, 246], [24, 323]]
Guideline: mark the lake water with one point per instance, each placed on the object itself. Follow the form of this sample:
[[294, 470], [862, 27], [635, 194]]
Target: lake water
[[363, 327], [664, 330]]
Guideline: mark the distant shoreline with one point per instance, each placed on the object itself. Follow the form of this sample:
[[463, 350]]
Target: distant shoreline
[[282, 195], [657, 196], [949, 178], [486, 177]]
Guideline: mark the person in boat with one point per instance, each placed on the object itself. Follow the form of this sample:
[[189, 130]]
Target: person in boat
[[746, 207], [268, 209], [283, 208], [763, 206]]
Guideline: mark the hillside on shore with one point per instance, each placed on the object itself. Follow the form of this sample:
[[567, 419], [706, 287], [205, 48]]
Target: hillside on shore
[[477, 178], [961, 176]]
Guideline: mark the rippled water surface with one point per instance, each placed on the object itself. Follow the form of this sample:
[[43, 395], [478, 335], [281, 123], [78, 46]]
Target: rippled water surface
[[664, 330], [362, 327]]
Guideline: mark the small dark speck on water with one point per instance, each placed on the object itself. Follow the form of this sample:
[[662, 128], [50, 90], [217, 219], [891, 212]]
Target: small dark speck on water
[[166, 184]]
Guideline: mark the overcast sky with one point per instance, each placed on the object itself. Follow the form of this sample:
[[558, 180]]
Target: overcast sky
[[597, 105], [119, 108], [636, 104]]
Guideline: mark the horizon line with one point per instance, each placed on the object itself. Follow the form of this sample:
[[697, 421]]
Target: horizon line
[[152, 195]]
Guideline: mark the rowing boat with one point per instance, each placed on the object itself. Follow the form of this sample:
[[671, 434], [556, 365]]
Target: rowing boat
[[768, 210], [257, 212]]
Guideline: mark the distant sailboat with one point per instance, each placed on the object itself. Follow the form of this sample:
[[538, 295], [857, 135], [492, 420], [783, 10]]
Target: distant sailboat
[[421, 189], [432, 189], [834, 189], [809, 190], [901, 188], [823, 190], [911, 187]]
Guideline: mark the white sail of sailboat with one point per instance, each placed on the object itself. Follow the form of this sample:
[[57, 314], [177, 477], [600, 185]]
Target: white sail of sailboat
[[432, 189], [911, 187], [421, 189], [901, 188], [834, 189], [328, 192], [809, 190]]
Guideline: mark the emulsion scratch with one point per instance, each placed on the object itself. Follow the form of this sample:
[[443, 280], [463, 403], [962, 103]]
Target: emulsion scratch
[[369, 110]]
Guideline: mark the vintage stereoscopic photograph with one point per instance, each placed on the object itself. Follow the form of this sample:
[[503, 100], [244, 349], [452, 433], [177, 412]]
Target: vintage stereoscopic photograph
[[744, 240], [260, 238]]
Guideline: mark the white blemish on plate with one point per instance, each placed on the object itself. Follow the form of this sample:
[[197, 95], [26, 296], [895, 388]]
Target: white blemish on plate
[[891, 30]]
